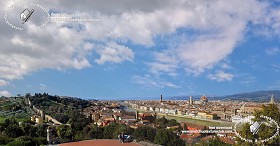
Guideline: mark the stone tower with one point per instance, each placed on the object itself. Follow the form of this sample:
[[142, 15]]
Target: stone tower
[[42, 113], [272, 100], [190, 101], [49, 135], [136, 115]]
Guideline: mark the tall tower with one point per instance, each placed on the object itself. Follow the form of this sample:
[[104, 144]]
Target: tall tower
[[160, 98], [49, 135], [29, 102], [272, 100], [136, 115], [190, 101], [42, 114]]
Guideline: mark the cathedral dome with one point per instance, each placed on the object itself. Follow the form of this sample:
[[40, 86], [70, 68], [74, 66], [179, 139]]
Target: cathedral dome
[[203, 98]]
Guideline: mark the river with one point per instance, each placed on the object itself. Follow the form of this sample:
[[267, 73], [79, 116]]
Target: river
[[186, 119]]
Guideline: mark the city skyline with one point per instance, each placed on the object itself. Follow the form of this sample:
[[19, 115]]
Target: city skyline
[[144, 49]]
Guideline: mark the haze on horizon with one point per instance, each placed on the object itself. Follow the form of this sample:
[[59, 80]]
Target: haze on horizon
[[143, 49]]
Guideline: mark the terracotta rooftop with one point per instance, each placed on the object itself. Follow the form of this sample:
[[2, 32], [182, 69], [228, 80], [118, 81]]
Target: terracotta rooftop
[[189, 136], [227, 140], [100, 142]]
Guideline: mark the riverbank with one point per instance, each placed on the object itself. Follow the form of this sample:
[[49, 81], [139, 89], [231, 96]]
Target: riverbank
[[188, 119]]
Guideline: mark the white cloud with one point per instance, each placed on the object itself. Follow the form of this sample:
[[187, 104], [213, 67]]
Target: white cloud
[[225, 66], [165, 62], [246, 79], [218, 27], [42, 86], [272, 51], [3, 83], [148, 81], [115, 53], [221, 76], [31, 50], [5, 93]]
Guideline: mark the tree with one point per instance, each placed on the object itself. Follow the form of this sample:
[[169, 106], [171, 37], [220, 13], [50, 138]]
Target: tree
[[5, 140], [108, 131], [13, 131], [168, 138], [96, 132], [272, 111], [25, 128], [172, 122], [119, 129], [265, 132], [22, 141], [63, 118], [144, 133], [213, 142], [64, 132], [185, 126], [9, 121], [180, 128], [162, 122], [245, 132], [41, 130]]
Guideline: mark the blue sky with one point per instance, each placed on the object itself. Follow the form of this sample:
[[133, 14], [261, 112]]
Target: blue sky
[[141, 49]]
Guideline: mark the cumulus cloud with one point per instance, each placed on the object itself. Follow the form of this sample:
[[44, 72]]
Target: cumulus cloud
[[5, 93], [42, 86], [246, 78], [148, 81], [55, 46], [61, 45], [221, 76], [115, 53], [3, 83], [165, 62], [218, 27]]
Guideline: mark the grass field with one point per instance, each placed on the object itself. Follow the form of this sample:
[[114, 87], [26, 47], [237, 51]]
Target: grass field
[[190, 120], [2, 119]]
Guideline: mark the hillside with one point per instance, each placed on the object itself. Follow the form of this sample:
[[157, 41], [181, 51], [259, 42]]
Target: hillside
[[257, 96]]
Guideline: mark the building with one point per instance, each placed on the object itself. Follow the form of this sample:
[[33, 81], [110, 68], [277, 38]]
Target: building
[[127, 119], [211, 116], [39, 120], [203, 100], [250, 109], [201, 114], [96, 117], [147, 116], [272, 100], [190, 101], [191, 138]]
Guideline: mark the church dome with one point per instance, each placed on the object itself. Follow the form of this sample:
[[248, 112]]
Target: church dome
[[203, 98]]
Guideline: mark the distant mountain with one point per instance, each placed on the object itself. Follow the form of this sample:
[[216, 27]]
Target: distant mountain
[[257, 96]]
